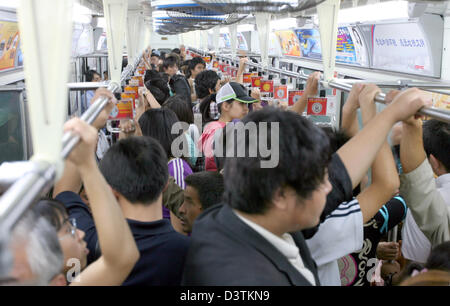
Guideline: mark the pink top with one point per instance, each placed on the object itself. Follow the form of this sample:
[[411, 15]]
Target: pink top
[[205, 144]]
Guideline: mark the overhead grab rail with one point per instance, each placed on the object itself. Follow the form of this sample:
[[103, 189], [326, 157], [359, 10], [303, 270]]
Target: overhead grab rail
[[25, 182], [435, 113]]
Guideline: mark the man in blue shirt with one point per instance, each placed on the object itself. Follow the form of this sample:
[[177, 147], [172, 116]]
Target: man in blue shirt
[[136, 170]]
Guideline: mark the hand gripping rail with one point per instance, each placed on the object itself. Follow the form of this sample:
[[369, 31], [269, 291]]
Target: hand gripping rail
[[435, 113], [29, 180]]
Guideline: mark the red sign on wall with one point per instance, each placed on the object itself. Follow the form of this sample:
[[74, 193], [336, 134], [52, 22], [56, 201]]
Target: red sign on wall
[[267, 86], [281, 92], [317, 106], [294, 96]]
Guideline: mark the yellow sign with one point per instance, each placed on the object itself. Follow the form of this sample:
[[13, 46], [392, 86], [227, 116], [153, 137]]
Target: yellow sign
[[289, 43], [9, 44], [441, 101]]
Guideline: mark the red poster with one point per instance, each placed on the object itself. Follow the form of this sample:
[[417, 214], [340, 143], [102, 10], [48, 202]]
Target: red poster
[[267, 86], [281, 92], [317, 106], [122, 110], [294, 96], [256, 81], [247, 78], [216, 64]]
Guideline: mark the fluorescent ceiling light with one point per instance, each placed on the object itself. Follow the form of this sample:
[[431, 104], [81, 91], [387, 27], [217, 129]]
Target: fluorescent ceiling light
[[374, 12], [283, 24]]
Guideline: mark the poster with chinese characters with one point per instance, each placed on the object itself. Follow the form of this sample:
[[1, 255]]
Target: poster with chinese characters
[[402, 48]]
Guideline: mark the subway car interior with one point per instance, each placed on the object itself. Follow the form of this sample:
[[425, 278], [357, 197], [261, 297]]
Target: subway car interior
[[204, 143]]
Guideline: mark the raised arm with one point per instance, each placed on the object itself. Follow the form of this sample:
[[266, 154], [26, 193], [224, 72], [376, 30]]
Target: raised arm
[[240, 74], [350, 111], [359, 153], [385, 180], [312, 86], [71, 181], [418, 186], [114, 266]]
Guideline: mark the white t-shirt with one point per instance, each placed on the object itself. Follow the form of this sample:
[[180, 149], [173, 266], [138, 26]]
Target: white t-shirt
[[416, 246], [342, 233], [285, 245]]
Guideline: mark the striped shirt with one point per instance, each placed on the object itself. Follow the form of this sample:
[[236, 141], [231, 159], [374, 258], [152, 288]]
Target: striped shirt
[[342, 233], [179, 169]]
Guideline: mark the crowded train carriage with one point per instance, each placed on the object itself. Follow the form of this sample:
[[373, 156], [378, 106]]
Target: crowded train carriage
[[224, 143]]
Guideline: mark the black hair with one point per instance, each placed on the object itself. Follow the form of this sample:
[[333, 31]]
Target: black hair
[[192, 64], [170, 62], [338, 138], [209, 187], [439, 258], [158, 123], [154, 54], [304, 154], [179, 106], [53, 211], [136, 167], [90, 75], [157, 85], [205, 81], [176, 51], [436, 141]]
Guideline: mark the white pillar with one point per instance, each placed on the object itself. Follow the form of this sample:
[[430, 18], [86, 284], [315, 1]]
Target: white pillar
[[233, 37], [204, 36], [46, 37], [328, 23], [115, 17], [216, 36], [263, 28], [445, 72], [133, 34]]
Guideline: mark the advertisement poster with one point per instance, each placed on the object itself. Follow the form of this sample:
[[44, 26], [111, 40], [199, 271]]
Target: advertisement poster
[[317, 106], [441, 101], [402, 48], [309, 43], [241, 42], [289, 43], [295, 96], [362, 55], [225, 41], [345, 48], [9, 45]]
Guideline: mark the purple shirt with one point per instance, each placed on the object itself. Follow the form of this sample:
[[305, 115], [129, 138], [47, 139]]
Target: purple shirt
[[179, 169]]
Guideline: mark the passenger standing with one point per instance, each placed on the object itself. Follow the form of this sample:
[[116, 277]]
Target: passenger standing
[[86, 98], [233, 102]]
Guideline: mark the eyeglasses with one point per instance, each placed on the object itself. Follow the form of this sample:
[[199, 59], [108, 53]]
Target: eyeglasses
[[72, 230]]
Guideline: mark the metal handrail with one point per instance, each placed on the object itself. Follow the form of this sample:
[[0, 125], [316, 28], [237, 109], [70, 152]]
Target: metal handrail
[[435, 113], [40, 176]]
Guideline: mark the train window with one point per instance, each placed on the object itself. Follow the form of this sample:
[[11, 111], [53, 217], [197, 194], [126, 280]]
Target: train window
[[13, 141]]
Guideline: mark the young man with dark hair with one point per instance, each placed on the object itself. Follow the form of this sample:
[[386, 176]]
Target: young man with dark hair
[[195, 67], [427, 223], [177, 82], [255, 237], [136, 170], [203, 190]]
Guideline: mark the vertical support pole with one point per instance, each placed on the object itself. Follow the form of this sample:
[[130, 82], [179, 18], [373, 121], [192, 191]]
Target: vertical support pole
[[148, 31], [263, 27], [46, 35], [328, 23], [216, 36], [116, 18], [233, 37]]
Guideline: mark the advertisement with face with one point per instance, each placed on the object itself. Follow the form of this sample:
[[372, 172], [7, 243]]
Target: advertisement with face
[[289, 43], [309, 43], [9, 44]]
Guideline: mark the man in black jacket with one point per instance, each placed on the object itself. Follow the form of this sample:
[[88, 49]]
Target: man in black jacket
[[177, 82], [254, 238]]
